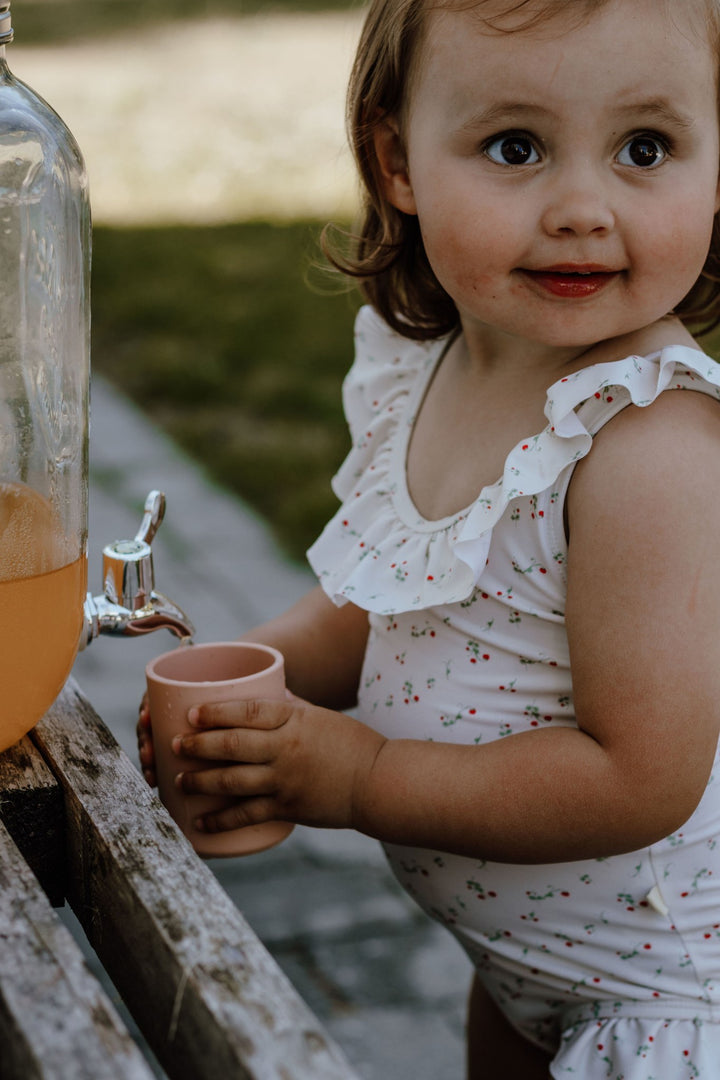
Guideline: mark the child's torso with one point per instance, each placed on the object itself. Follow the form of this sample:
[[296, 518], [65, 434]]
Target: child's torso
[[468, 645]]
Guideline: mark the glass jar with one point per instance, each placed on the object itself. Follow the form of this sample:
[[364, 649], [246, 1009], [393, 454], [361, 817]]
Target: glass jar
[[44, 390]]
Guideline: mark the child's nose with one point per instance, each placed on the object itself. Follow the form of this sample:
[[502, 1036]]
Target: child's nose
[[577, 205]]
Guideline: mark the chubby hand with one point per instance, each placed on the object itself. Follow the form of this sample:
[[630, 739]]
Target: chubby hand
[[146, 750], [283, 760]]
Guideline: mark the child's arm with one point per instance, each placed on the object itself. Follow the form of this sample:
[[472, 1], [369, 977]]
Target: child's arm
[[643, 621], [323, 647]]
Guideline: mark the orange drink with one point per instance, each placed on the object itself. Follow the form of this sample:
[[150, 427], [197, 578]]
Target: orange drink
[[41, 608]]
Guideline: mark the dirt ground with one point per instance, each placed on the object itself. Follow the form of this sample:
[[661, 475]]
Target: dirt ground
[[207, 121]]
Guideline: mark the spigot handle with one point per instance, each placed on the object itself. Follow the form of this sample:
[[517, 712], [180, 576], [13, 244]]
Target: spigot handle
[[129, 604], [128, 577], [152, 518]]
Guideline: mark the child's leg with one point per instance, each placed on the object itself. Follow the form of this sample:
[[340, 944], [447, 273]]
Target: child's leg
[[495, 1048]]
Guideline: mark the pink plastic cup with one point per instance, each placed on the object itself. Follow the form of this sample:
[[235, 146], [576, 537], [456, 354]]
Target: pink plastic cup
[[199, 675]]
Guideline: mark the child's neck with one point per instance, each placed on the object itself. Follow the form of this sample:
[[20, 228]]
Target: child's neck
[[492, 352], [643, 342]]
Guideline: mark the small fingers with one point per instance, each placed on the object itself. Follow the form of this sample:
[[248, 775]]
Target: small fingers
[[144, 713], [224, 744], [254, 713], [148, 769], [235, 780], [250, 784], [146, 750], [239, 815]]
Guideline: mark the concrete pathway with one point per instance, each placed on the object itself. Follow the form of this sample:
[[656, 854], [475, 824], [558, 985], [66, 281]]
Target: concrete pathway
[[388, 984]]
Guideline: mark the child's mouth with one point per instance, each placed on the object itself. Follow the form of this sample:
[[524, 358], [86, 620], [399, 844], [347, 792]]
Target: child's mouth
[[573, 283]]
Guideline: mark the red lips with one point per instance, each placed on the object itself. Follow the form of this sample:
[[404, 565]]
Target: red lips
[[572, 282]]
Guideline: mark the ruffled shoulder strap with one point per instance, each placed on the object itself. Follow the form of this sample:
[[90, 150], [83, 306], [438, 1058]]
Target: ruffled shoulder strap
[[385, 369], [581, 403], [577, 406], [379, 553]]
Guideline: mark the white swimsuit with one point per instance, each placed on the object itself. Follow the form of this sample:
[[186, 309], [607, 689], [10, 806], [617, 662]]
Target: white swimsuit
[[613, 964]]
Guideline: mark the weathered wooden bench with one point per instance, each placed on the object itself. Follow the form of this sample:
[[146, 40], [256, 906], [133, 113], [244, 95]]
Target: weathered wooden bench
[[78, 822]]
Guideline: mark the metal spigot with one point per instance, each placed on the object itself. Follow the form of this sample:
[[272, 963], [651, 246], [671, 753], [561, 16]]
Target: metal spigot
[[130, 605]]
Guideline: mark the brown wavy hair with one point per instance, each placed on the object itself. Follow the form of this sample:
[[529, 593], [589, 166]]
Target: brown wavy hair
[[385, 253]]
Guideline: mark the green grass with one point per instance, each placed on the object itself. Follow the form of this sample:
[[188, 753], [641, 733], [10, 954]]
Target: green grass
[[218, 336]]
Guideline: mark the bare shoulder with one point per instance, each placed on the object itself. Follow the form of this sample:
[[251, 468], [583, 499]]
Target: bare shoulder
[[641, 503], [675, 441]]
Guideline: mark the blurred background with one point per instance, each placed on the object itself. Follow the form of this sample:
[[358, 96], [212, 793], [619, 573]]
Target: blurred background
[[213, 132]]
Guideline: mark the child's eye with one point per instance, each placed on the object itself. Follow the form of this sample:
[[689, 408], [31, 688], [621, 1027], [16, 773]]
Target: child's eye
[[512, 149], [643, 151]]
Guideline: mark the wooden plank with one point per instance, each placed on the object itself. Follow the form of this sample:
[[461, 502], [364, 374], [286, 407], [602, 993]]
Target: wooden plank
[[55, 1020], [32, 810], [206, 994]]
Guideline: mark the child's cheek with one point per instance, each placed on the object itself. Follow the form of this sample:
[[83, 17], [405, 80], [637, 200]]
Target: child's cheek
[[461, 269]]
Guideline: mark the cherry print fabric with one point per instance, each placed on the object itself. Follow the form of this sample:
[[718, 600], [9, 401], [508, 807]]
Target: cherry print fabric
[[611, 964]]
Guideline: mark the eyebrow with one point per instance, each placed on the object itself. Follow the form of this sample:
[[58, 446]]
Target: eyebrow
[[506, 112], [655, 110], [659, 111]]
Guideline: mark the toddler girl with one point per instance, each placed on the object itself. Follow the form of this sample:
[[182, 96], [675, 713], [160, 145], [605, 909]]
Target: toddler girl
[[536, 667]]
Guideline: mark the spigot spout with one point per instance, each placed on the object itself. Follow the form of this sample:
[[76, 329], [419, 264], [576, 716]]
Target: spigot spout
[[130, 606], [102, 616]]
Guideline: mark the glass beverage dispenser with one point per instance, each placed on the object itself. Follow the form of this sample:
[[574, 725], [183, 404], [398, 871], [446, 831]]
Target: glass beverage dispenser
[[44, 380], [45, 616]]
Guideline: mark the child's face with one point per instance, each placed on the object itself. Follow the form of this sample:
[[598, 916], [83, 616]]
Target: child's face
[[565, 183]]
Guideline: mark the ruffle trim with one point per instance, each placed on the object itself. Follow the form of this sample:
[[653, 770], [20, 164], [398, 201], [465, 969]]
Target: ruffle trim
[[384, 557]]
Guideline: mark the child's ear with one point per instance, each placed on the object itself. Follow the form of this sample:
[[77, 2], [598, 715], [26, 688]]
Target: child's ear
[[394, 174]]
